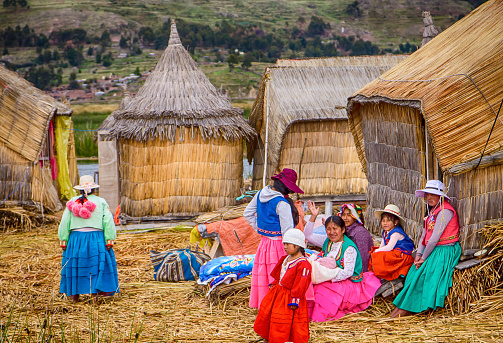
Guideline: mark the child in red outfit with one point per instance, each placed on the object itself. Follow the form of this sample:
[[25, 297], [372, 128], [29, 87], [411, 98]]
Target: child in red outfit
[[283, 315]]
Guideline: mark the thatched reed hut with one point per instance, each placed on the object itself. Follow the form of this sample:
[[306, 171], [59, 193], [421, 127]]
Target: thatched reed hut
[[35, 131], [301, 109], [435, 115], [180, 143]]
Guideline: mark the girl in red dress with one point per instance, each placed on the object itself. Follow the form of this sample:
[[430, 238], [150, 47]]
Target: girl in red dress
[[283, 315]]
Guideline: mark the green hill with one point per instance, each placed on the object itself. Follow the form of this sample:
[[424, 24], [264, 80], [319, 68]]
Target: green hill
[[380, 21]]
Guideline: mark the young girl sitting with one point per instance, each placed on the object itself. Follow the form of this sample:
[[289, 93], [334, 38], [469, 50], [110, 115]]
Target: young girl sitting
[[393, 257], [283, 316]]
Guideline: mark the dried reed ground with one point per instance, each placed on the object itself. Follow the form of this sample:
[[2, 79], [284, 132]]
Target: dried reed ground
[[172, 312]]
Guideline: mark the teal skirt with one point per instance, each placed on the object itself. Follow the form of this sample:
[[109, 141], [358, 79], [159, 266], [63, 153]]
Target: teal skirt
[[426, 288]]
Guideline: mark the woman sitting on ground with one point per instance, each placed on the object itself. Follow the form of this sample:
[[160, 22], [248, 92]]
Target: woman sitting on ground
[[393, 257], [438, 252], [353, 220], [340, 285]]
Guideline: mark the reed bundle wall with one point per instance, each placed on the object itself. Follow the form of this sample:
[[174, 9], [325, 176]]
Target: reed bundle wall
[[395, 155], [478, 197], [15, 173], [161, 177], [396, 167], [330, 165]]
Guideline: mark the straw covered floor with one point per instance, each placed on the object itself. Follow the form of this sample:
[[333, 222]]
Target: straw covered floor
[[144, 311]]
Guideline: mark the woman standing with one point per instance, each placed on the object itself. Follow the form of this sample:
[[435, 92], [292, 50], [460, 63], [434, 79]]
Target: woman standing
[[270, 213], [87, 234], [438, 252]]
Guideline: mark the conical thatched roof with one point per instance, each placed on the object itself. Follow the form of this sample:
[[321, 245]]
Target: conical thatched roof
[[456, 82], [310, 89], [25, 113], [177, 93]]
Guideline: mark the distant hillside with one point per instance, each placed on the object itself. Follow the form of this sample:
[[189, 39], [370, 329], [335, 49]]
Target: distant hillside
[[78, 45], [383, 22]]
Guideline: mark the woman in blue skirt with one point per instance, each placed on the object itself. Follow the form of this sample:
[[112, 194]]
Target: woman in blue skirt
[[87, 234]]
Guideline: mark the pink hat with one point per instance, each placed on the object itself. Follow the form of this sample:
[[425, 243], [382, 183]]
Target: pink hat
[[289, 178]]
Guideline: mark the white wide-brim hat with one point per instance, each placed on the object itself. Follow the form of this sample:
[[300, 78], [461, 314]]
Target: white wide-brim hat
[[295, 237], [86, 183], [391, 209], [432, 187]]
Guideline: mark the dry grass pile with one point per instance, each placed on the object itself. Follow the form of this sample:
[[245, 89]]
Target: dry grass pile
[[224, 213], [32, 309], [23, 219]]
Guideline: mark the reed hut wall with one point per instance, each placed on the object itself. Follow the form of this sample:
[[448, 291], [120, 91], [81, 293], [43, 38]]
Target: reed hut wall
[[454, 83], [395, 154], [160, 177], [330, 164], [395, 151], [25, 113], [307, 99]]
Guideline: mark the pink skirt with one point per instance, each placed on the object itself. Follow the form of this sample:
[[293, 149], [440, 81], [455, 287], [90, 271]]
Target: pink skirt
[[332, 300], [269, 252]]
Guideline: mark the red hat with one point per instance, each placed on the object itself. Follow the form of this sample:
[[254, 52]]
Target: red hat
[[289, 178]]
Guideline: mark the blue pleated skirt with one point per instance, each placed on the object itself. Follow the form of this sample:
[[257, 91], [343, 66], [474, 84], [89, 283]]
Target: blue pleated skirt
[[87, 266]]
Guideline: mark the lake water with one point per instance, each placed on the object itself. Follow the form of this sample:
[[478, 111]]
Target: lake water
[[87, 167]]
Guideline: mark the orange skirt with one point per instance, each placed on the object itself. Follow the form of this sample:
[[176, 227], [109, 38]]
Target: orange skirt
[[389, 265], [277, 323]]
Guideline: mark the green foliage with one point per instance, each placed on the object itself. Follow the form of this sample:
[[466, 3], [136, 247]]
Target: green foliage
[[107, 60], [137, 71], [353, 9], [247, 60], [232, 60], [84, 123], [5, 51], [43, 78], [15, 3], [98, 57], [74, 56], [317, 26], [123, 43]]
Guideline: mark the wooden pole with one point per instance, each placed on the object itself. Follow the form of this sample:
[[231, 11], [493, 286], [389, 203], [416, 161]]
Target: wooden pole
[[266, 103]]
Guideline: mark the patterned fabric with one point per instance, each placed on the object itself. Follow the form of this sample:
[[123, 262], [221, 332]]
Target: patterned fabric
[[339, 258], [276, 322], [268, 218], [177, 264], [451, 232], [356, 212], [405, 245]]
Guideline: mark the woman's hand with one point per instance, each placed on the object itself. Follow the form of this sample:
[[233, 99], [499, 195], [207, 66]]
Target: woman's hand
[[314, 210], [109, 246], [418, 262], [63, 247], [292, 307]]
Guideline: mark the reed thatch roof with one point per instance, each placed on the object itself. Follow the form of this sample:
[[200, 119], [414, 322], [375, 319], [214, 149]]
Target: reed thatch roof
[[25, 113], [176, 94], [456, 81], [310, 89]]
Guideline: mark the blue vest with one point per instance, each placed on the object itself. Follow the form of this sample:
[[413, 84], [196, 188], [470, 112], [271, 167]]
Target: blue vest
[[267, 219], [405, 245]]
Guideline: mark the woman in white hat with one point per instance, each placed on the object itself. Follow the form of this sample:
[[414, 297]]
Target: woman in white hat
[[438, 252], [393, 257], [87, 234]]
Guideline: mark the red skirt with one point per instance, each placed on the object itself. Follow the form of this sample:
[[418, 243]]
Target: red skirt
[[277, 323], [389, 265]]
